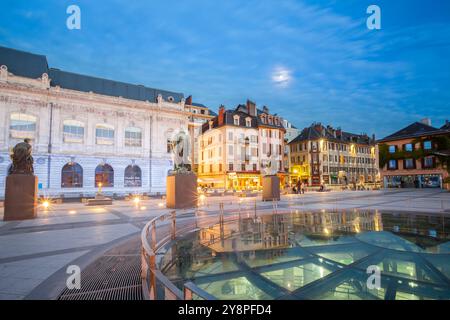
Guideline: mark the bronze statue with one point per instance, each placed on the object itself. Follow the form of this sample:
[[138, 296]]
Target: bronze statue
[[22, 159], [181, 149]]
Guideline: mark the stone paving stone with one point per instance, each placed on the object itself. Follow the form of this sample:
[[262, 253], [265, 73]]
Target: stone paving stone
[[67, 219], [44, 241], [18, 278]]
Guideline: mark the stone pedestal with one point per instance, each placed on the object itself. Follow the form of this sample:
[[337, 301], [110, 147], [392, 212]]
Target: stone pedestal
[[99, 200], [21, 194], [271, 188], [181, 191]]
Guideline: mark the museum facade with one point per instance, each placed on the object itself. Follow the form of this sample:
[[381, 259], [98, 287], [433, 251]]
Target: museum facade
[[85, 131]]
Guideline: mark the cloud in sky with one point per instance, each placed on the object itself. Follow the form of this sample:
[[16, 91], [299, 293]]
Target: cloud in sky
[[307, 60], [281, 77]]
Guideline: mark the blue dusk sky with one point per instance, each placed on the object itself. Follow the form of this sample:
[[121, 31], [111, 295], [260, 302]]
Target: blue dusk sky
[[307, 60]]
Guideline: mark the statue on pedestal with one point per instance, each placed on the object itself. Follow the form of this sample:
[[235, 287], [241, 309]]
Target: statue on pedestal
[[270, 180], [181, 149], [21, 188], [270, 167], [181, 186], [22, 158]]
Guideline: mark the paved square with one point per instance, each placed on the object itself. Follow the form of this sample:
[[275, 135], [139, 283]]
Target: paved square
[[32, 251]]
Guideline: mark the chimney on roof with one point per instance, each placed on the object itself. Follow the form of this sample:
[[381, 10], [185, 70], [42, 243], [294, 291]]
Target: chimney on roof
[[265, 109], [188, 101], [318, 127], [426, 121], [251, 108], [339, 133], [221, 116]]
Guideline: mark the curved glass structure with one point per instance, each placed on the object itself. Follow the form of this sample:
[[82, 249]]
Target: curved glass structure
[[317, 255]]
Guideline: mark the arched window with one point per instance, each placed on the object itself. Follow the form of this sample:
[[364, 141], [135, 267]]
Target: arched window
[[133, 137], [73, 131], [104, 174], [104, 134], [133, 176], [22, 125], [72, 176]]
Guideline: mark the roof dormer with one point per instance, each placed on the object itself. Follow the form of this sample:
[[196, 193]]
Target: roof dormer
[[236, 120], [263, 118]]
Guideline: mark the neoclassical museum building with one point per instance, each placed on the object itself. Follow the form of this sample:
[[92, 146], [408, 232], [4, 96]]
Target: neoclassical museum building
[[87, 131]]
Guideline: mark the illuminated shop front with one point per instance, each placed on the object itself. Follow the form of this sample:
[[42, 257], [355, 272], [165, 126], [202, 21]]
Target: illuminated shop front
[[243, 181], [414, 181], [299, 173], [212, 181]]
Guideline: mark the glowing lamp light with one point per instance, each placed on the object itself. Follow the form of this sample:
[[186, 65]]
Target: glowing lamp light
[[202, 197], [72, 212], [136, 200], [161, 204], [46, 204]]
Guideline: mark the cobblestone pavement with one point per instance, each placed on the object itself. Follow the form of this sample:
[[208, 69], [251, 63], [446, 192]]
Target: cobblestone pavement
[[34, 254]]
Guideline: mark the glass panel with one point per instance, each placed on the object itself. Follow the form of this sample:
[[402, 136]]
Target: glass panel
[[292, 278], [409, 163], [104, 174], [348, 285], [388, 240], [441, 262], [72, 176], [344, 254], [23, 122], [409, 147], [270, 257], [133, 176], [133, 137], [402, 265], [239, 288], [392, 164]]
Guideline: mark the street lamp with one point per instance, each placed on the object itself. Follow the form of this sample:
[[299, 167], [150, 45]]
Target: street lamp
[[46, 204]]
